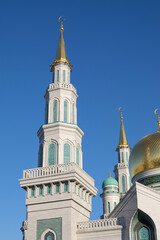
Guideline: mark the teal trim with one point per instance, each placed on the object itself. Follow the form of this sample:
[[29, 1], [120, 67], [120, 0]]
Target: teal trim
[[75, 188], [144, 234], [51, 154], [115, 204], [86, 196], [77, 156], [57, 188], [122, 156], [66, 153], [78, 191], [88, 199], [66, 187], [55, 111], [49, 189], [65, 111], [82, 194], [64, 79], [123, 184], [40, 191], [109, 208], [50, 237], [53, 223], [109, 181], [32, 191], [57, 75], [73, 112]]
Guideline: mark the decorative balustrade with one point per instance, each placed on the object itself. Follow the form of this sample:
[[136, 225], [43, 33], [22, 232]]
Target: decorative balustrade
[[62, 85], [119, 165], [97, 224], [51, 170]]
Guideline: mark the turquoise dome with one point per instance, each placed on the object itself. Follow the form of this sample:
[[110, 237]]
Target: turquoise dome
[[109, 181]]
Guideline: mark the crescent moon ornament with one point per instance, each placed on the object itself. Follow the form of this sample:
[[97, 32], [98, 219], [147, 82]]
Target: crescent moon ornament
[[119, 109], [61, 21], [155, 112]]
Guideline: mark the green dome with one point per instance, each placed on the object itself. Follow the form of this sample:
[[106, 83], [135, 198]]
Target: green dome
[[109, 181]]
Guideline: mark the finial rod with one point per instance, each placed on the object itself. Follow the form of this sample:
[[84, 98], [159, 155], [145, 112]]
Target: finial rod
[[61, 21], [119, 109], [158, 115], [109, 173]]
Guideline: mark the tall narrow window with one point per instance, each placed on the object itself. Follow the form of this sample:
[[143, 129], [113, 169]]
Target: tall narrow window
[[40, 190], [65, 111], [68, 77], [55, 111], [57, 75], [49, 236], [73, 112], [64, 76], [65, 187], [123, 184], [126, 156], [49, 189], [57, 188], [32, 191], [122, 156], [40, 157], [77, 156], [144, 234], [46, 114], [51, 154], [114, 204], [66, 153], [109, 208]]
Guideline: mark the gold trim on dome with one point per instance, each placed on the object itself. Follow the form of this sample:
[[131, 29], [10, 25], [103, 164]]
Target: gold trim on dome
[[58, 61]]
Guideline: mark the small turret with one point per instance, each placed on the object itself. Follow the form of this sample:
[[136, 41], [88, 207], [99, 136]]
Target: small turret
[[110, 195]]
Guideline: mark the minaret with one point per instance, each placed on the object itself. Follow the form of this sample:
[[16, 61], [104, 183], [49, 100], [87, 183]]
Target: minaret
[[110, 195], [59, 192], [122, 168]]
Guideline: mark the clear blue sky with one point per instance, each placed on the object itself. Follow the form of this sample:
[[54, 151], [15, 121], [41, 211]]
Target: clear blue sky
[[114, 47]]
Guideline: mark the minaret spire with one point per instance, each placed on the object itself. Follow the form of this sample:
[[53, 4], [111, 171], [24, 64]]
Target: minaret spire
[[158, 115], [122, 137], [61, 55]]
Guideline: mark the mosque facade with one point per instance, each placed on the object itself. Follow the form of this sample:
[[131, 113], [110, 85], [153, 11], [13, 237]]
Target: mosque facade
[[59, 192]]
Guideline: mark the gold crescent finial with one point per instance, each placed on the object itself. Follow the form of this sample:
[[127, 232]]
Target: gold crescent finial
[[61, 21], [158, 115], [119, 109]]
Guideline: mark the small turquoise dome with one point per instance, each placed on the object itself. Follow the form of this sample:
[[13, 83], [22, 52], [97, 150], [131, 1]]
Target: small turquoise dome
[[109, 181]]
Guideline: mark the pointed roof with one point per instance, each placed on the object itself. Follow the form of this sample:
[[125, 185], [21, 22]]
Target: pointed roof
[[61, 55], [122, 136]]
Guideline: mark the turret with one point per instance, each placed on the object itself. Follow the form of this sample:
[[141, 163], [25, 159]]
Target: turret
[[110, 195], [121, 169]]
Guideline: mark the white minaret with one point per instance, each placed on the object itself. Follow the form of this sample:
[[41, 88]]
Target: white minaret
[[121, 170], [59, 192]]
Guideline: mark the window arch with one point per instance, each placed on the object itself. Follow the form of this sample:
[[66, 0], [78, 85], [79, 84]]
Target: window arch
[[66, 153], [49, 236], [51, 154], [109, 208], [55, 111], [65, 111], [123, 184], [40, 163]]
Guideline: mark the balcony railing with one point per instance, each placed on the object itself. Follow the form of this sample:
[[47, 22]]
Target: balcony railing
[[62, 85], [97, 224]]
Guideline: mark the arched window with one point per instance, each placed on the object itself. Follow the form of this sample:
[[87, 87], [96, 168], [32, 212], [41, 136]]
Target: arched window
[[46, 114], [51, 154], [64, 73], [55, 111], [109, 209], [126, 156], [40, 164], [49, 236], [73, 113], [65, 111], [57, 75], [144, 234], [66, 153], [77, 156], [123, 184]]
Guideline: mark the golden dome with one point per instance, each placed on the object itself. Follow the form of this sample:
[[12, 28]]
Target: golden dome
[[146, 154]]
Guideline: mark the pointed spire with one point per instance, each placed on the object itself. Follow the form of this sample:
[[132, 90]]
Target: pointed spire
[[61, 55], [122, 137]]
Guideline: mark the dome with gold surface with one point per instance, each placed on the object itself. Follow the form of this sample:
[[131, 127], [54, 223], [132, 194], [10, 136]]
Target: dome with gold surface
[[146, 154]]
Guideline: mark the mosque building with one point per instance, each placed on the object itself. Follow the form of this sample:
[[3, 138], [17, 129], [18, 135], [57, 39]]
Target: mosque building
[[59, 192]]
